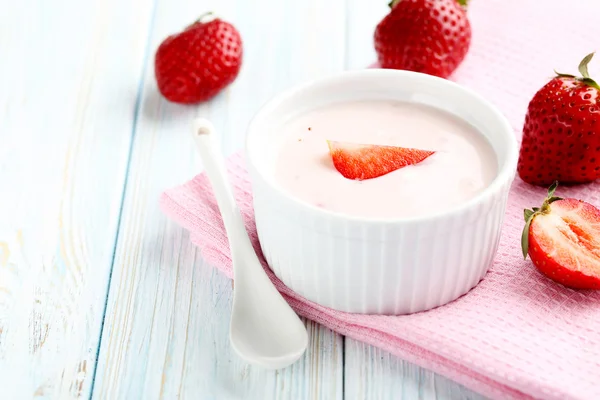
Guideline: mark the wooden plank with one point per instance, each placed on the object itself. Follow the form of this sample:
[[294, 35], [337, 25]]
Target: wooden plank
[[68, 80], [166, 329], [362, 18], [371, 373]]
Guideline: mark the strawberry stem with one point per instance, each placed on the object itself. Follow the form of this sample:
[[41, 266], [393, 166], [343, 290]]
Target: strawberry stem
[[393, 3], [583, 70], [529, 215], [583, 65], [204, 18]]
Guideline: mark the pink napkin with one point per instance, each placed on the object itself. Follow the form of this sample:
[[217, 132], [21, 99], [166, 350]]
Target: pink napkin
[[517, 334]]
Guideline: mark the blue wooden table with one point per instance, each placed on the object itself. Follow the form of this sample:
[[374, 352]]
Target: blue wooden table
[[100, 295]]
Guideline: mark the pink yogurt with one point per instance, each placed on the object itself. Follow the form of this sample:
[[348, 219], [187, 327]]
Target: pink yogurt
[[463, 165]]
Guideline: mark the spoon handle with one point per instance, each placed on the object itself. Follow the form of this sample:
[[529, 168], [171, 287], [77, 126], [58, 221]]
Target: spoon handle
[[208, 147]]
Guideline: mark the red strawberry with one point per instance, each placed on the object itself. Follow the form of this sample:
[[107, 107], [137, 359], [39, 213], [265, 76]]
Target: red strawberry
[[429, 36], [562, 239], [366, 161], [561, 135], [196, 64]]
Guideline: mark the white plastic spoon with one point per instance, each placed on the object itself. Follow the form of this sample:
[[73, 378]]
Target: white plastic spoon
[[264, 329]]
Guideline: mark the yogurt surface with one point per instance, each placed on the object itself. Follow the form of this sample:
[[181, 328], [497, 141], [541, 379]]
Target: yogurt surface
[[463, 165]]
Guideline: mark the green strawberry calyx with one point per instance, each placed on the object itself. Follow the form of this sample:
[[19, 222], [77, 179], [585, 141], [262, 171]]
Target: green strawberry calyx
[[393, 3], [583, 70], [531, 214]]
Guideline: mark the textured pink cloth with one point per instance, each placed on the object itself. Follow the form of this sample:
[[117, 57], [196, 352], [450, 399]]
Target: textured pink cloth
[[517, 334]]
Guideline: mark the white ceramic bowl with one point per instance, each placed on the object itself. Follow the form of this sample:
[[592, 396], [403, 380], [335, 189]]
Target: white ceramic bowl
[[378, 266]]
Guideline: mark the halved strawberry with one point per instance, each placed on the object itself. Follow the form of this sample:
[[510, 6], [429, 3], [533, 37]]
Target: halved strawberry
[[366, 161], [562, 239]]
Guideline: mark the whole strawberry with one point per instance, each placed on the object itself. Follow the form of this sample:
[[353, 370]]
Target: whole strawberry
[[561, 135], [429, 36], [196, 64]]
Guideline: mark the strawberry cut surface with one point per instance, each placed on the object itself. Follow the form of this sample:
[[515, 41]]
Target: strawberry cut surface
[[367, 161], [564, 243]]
